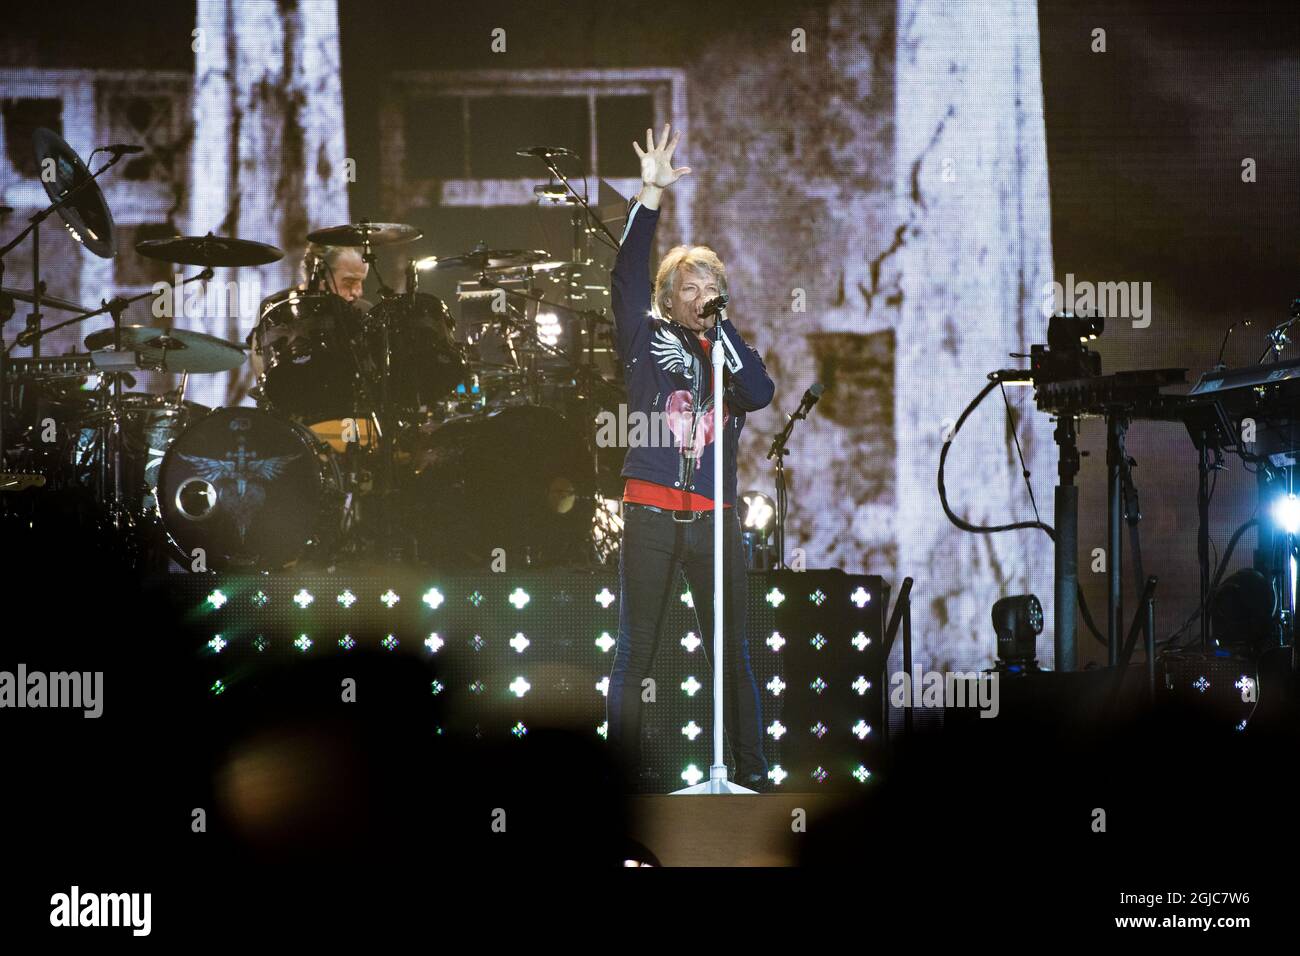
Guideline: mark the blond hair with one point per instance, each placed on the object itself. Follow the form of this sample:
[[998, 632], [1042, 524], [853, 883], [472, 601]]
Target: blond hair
[[697, 259]]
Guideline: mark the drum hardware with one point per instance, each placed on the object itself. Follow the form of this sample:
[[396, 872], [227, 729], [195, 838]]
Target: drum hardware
[[530, 333], [75, 195], [148, 424], [595, 366], [370, 235], [570, 272], [591, 389], [541, 372], [22, 295], [489, 345], [498, 270], [72, 366], [107, 338], [548, 156], [148, 348]]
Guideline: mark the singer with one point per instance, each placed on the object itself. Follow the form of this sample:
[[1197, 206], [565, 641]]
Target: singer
[[668, 496]]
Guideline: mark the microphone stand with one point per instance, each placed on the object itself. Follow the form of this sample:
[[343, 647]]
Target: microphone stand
[[1277, 336], [549, 161], [717, 782], [779, 450]]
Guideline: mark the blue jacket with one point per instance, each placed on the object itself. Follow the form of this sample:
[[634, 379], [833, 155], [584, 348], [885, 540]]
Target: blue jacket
[[667, 371]]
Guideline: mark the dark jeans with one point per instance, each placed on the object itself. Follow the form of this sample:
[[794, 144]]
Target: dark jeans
[[656, 549]]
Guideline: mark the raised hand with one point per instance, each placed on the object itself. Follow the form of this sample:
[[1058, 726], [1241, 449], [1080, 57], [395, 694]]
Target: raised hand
[[657, 160]]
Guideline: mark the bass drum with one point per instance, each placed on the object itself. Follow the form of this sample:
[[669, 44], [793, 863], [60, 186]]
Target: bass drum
[[251, 490], [518, 478]]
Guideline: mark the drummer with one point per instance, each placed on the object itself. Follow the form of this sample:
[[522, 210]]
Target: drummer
[[337, 269]]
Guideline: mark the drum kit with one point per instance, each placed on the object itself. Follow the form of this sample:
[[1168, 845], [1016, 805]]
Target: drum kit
[[400, 433]]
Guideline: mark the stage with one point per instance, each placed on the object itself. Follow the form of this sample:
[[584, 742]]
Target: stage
[[439, 441]]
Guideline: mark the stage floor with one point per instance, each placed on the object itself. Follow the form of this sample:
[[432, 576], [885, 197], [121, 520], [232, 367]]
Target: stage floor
[[739, 830]]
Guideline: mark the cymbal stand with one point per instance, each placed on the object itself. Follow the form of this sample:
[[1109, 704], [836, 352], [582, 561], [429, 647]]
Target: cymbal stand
[[118, 516], [589, 374], [34, 317], [106, 308], [602, 232], [386, 435]]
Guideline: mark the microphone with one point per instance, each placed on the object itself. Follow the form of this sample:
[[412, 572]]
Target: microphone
[[544, 151], [809, 399], [316, 281], [122, 149], [805, 406], [715, 305], [1244, 323]]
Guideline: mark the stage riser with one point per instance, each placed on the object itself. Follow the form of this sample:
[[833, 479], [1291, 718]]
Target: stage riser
[[484, 681]]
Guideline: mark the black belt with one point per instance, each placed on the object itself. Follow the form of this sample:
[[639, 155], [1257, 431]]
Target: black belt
[[681, 516]]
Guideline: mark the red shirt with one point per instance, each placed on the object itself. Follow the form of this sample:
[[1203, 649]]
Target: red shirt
[[641, 492]]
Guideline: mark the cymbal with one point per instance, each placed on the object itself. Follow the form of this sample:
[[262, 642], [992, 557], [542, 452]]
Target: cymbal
[[22, 295], [211, 251], [483, 260], [365, 233], [561, 270], [86, 214], [550, 265], [173, 350]]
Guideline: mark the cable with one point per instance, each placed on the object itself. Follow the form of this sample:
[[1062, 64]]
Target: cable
[[1015, 436], [996, 380], [1087, 619], [1221, 566], [943, 492]]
